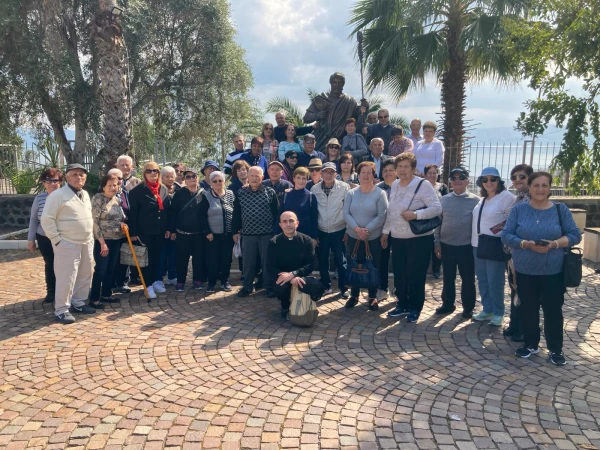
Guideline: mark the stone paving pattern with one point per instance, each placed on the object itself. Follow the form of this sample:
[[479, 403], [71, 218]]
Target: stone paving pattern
[[192, 371]]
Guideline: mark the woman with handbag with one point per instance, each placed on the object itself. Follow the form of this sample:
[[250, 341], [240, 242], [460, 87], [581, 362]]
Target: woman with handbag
[[108, 217], [432, 174], [216, 214], [149, 204], [413, 214], [364, 212], [186, 226], [489, 217], [538, 232]]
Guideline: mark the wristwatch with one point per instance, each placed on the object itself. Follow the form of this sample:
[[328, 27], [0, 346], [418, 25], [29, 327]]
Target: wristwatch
[[294, 273]]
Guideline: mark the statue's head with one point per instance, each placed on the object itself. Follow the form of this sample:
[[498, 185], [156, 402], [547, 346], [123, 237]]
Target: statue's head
[[337, 81]]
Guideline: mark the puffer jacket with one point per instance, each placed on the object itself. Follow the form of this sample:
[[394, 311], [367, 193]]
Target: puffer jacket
[[331, 207]]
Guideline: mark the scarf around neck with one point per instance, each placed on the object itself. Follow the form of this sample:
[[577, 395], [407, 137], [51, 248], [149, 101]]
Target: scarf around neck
[[154, 189]]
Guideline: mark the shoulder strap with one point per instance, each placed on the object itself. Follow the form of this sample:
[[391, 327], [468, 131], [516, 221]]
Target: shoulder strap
[[198, 194], [479, 218], [559, 216], [414, 195]]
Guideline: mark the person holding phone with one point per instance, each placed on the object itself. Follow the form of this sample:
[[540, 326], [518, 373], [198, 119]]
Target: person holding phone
[[537, 233]]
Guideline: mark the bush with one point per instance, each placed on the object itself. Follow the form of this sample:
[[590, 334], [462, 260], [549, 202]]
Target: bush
[[92, 184], [25, 180]]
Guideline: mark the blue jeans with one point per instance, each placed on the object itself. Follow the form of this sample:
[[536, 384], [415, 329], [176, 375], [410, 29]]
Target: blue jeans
[[104, 272], [332, 242], [490, 279], [167, 257]]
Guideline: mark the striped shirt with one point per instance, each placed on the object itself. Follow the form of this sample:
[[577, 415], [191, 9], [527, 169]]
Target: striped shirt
[[36, 216]]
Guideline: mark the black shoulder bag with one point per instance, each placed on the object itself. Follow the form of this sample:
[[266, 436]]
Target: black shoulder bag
[[422, 226], [489, 247], [573, 260]]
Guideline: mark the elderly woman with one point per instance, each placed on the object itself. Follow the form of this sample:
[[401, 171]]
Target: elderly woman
[[168, 257], [148, 222], [216, 213], [518, 175], [489, 217], [270, 144], [51, 179], [353, 142], [290, 143], [411, 198], [430, 150], [346, 173], [239, 175], [333, 152], [432, 174], [289, 165], [186, 225], [364, 212], [399, 143], [108, 217], [537, 233], [303, 203]]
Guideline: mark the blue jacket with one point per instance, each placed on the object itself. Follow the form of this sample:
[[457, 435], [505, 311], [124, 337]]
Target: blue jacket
[[260, 161]]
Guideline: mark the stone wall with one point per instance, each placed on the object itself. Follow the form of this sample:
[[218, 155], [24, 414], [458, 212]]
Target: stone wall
[[15, 210]]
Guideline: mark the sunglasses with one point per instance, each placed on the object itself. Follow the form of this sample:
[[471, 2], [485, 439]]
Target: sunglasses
[[309, 141], [334, 146], [217, 181], [191, 177], [520, 177], [152, 171], [314, 170], [179, 171], [292, 157], [460, 177], [490, 179], [52, 180], [382, 117]]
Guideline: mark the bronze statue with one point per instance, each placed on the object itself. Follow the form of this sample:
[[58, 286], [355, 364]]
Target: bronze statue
[[332, 109]]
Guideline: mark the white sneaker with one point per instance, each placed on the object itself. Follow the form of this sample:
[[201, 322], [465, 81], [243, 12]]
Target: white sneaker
[[381, 295], [328, 291], [171, 281], [159, 287], [151, 293]]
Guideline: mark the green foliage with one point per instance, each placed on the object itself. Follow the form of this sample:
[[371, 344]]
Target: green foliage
[[92, 184], [24, 181], [293, 113], [560, 45]]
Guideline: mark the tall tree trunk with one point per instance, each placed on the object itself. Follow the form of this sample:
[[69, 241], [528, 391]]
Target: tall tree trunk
[[453, 95], [107, 33]]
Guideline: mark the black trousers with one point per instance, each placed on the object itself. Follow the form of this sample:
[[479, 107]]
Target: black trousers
[[384, 268], [190, 245], [410, 260], [155, 244], [45, 246], [546, 291], [219, 254], [515, 311], [283, 293], [460, 256]]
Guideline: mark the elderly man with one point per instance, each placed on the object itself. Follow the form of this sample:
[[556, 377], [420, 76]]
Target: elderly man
[[415, 131], [179, 169], [275, 182], [376, 148], [125, 165], [382, 130], [330, 194], [254, 213], [238, 151], [255, 157], [453, 244], [279, 130], [290, 258], [309, 152], [67, 221]]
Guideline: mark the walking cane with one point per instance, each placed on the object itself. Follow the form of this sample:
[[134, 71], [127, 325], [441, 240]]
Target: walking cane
[[125, 228]]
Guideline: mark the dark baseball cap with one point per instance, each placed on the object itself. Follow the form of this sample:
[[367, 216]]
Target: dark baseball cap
[[75, 166]]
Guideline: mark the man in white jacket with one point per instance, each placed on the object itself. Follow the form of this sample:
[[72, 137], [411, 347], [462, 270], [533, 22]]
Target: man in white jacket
[[67, 221], [330, 194]]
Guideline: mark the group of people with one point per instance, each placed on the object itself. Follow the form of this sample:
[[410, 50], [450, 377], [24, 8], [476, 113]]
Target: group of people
[[290, 210]]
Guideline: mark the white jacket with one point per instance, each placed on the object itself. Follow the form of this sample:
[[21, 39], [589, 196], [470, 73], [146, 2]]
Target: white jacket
[[331, 207]]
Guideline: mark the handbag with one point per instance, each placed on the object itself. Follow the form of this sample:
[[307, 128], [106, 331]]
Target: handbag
[[237, 248], [489, 247], [423, 226], [364, 275], [303, 310], [141, 251], [573, 261]]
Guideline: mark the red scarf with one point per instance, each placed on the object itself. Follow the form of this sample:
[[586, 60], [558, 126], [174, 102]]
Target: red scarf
[[154, 189]]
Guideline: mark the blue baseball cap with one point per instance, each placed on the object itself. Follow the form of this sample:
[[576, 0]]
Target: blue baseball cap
[[490, 171]]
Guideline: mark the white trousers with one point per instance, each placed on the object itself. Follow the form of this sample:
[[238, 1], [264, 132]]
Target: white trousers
[[73, 269]]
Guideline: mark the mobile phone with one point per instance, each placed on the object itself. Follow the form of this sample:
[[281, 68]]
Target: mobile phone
[[542, 243]]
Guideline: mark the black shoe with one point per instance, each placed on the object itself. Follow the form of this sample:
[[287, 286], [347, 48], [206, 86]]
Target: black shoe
[[270, 293], [135, 282], [110, 300], [210, 288], [85, 309], [345, 295], [284, 313], [96, 305], [412, 317], [557, 359], [243, 292], [49, 298], [467, 314], [122, 289], [226, 286], [398, 312], [517, 338], [445, 309], [509, 331], [351, 303], [525, 352], [373, 305], [437, 275], [65, 318], [258, 285]]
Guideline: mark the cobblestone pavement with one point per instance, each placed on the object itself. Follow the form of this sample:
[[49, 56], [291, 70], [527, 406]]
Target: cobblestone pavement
[[193, 370]]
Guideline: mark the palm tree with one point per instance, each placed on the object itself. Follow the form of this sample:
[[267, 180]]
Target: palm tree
[[457, 41]]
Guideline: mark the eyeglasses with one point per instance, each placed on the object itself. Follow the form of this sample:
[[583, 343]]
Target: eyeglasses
[[520, 177], [179, 171], [334, 146], [152, 171], [217, 181], [315, 170], [191, 177], [309, 141], [490, 179], [382, 117], [292, 157], [52, 180], [268, 128], [460, 177]]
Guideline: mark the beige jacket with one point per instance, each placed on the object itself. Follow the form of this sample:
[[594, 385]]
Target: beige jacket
[[331, 207], [68, 218]]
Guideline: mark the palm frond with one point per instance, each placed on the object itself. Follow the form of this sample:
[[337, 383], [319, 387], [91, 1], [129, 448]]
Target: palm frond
[[312, 93], [293, 113], [400, 120]]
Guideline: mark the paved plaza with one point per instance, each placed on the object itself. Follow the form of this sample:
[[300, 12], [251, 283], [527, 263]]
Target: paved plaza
[[192, 371]]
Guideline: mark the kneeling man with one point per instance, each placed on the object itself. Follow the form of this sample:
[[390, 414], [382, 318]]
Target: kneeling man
[[290, 257]]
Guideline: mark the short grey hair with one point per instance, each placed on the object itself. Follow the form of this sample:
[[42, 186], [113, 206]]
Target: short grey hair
[[115, 171], [167, 169], [125, 157], [260, 170], [215, 174], [383, 110]]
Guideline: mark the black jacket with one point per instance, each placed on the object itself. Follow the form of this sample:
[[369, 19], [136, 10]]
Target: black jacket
[[288, 255], [188, 219], [145, 219]]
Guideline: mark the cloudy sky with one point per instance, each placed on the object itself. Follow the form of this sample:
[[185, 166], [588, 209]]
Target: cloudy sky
[[292, 45]]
